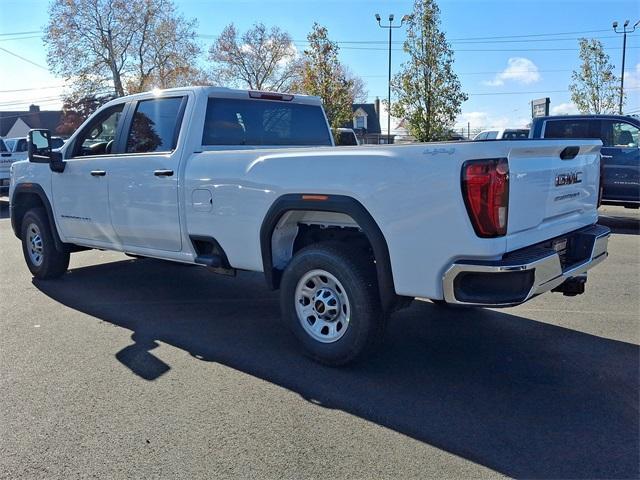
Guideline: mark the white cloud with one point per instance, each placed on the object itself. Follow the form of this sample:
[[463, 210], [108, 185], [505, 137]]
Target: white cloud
[[483, 120], [632, 78], [519, 70], [564, 109], [486, 121]]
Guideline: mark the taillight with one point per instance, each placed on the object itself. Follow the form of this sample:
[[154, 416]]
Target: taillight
[[485, 188]]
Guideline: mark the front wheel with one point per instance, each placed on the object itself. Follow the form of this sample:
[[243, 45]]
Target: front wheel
[[43, 258], [330, 301]]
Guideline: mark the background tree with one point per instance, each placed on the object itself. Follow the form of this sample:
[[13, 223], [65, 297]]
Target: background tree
[[166, 49], [594, 87], [429, 94], [76, 109], [122, 46], [359, 92], [323, 75], [260, 59]]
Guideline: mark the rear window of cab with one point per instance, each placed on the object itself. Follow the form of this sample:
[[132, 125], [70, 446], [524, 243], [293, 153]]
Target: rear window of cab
[[255, 122]]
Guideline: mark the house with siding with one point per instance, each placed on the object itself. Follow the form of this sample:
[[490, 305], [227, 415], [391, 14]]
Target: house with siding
[[18, 123]]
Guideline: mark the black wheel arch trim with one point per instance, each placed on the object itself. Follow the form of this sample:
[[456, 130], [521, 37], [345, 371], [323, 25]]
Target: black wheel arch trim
[[336, 204], [35, 189]]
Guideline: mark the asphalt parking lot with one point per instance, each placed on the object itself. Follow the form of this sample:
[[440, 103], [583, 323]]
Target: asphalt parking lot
[[138, 369]]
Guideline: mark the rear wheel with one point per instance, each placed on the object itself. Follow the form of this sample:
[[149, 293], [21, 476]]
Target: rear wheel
[[43, 258], [330, 301]]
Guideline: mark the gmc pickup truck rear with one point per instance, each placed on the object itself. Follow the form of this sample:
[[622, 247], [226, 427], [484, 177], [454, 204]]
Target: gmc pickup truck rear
[[235, 180]]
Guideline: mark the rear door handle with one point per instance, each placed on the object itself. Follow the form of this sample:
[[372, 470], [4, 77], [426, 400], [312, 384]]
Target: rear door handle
[[163, 173], [606, 156], [98, 173]]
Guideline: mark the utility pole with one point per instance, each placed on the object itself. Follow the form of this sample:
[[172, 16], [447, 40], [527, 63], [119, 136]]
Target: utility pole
[[390, 27], [624, 32]]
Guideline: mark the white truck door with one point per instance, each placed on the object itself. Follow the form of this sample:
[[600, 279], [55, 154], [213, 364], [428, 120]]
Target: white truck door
[[80, 193], [143, 181]]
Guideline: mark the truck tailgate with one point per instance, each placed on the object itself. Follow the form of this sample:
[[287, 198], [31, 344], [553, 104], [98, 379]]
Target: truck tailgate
[[553, 189]]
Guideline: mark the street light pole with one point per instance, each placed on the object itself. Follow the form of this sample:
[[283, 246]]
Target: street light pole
[[390, 27], [624, 32]]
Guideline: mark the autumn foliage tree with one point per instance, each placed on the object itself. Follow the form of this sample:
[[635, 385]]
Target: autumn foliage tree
[[76, 109], [594, 87], [323, 75], [429, 94], [122, 46], [261, 58]]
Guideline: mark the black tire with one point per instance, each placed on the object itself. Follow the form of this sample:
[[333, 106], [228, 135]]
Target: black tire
[[51, 263], [357, 276]]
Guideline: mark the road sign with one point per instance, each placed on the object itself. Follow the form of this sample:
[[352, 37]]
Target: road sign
[[540, 107]]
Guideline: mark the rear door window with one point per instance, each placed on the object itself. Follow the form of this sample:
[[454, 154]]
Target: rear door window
[[264, 122], [155, 125], [619, 134]]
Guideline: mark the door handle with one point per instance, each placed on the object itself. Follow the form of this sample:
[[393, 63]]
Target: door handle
[[606, 156], [98, 173], [163, 173]]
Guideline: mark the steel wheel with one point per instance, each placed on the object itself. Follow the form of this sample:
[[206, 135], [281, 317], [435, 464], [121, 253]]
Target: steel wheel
[[35, 246], [322, 306]]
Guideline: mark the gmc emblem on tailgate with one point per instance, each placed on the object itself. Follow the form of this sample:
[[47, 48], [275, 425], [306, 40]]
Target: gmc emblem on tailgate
[[568, 178]]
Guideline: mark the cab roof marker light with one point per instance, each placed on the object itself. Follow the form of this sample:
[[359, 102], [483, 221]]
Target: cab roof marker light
[[316, 198], [270, 96]]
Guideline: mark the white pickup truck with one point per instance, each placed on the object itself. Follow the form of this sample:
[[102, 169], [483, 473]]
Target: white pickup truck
[[243, 180]]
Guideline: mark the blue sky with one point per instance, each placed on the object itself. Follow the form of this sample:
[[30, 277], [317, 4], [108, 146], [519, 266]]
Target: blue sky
[[498, 73]]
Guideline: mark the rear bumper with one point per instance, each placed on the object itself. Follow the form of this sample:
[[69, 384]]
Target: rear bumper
[[528, 272]]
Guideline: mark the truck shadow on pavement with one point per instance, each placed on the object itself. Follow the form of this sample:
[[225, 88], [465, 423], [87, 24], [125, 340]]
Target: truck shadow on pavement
[[621, 221], [524, 398]]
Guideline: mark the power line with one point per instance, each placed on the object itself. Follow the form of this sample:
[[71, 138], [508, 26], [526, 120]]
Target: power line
[[22, 58], [400, 42], [203, 35], [528, 93], [485, 49], [19, 33], [19, 38], [31, 89], [533, 35], [30, 101]]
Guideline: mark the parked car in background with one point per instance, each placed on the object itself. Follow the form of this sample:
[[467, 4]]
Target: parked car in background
[[620, 156], [346, 137], [6, 159], [19, 147], [456, 137], [503, 134]]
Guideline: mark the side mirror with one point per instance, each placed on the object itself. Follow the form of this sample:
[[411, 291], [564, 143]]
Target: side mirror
[[39, 146], [40, 151]]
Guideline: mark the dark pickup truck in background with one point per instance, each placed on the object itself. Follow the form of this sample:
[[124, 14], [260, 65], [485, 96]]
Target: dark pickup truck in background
[[620, 154]]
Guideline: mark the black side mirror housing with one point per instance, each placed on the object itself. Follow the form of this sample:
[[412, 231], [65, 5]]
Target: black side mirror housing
[[40, 150]]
